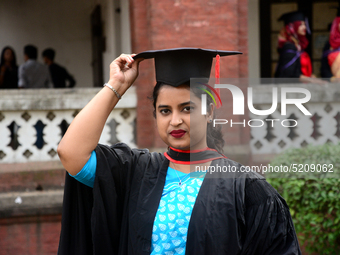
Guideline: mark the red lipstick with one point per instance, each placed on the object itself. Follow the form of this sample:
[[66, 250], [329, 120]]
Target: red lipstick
[[178, 133]]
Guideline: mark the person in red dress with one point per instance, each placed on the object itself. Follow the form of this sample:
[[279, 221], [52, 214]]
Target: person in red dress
[[294, 61]]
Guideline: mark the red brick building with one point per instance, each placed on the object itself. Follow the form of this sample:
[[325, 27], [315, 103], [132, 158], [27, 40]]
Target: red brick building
[[172, 24], [153, 25], [89, 34]]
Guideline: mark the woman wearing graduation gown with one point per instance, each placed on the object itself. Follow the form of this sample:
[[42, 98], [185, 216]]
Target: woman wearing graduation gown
[[137, 202], [332, 54], [294, 61]]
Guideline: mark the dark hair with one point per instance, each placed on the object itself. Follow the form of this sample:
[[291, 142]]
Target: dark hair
[[49, 53], [31, 51], [14, 60], [214, 135]]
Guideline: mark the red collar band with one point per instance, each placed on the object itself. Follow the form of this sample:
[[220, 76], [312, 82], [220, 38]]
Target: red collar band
[[187, 157]]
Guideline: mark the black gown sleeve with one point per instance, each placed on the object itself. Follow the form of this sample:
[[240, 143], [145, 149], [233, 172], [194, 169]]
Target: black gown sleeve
[[269, 226], [325, 69], [92, 218], [75, 236], [293, 70]]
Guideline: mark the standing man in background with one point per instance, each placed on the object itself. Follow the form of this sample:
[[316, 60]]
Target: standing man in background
[[33, 74], [58, 73]]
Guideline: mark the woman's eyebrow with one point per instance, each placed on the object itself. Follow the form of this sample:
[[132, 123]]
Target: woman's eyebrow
[[185, 103], [163, 106], [181, 104]]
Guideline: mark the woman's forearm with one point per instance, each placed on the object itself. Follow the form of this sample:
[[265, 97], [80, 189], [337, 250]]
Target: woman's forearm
[[83, 134], [304, 78]]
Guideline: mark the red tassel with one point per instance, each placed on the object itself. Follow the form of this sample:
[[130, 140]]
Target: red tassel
[[217, 76], [217, 69]]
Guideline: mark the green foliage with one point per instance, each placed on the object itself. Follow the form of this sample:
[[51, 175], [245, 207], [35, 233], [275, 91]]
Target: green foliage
[[313, 198]]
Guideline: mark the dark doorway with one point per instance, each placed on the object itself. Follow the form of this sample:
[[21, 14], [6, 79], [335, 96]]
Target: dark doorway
[[98, 46]]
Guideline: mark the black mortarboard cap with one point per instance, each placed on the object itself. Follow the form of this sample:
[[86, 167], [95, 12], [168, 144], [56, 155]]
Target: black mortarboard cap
[[290, 17], [176, 66]]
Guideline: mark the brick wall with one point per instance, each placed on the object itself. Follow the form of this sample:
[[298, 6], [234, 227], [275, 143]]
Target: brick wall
[[37, 235], [154, 25], [171, 24], [30, 208]]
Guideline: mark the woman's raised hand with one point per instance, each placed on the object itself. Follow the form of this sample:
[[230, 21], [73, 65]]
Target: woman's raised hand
[[76, 146], [123, 72]]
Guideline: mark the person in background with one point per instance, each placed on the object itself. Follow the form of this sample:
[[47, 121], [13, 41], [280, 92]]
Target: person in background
[[325, 69], [58, 73], [8, 69], [333, 52], [294, 61], [33, 74]]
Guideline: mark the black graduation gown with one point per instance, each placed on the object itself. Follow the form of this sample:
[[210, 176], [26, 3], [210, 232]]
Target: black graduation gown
[[287, 54], [233, 214], [325, 69]]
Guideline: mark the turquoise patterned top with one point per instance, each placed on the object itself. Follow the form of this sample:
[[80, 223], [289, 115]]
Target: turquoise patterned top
[[172, 219]]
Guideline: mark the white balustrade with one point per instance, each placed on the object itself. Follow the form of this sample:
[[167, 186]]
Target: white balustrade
[[324, 107], [55, 108]]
